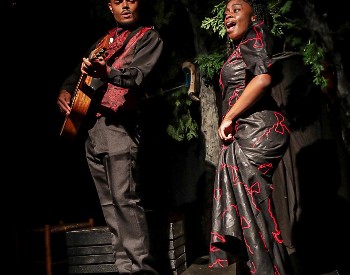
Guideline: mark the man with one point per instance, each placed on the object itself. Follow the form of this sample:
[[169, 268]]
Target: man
[[119, 75]]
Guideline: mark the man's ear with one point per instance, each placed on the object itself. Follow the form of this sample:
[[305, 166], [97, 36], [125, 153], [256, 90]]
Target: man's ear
[[110, 7]]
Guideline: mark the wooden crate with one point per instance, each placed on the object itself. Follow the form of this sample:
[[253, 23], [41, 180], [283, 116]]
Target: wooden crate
[[90, 250]]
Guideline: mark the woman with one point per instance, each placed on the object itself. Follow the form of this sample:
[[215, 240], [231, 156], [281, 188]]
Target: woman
[[254, 138]]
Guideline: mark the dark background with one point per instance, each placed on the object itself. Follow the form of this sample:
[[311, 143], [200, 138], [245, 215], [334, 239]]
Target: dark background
[[45, 177], [44, 43]]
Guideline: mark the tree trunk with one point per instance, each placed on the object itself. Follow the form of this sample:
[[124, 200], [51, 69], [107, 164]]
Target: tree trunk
[[209, 126]]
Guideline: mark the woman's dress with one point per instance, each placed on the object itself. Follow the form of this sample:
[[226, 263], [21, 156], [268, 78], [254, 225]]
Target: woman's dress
[[244, 227]]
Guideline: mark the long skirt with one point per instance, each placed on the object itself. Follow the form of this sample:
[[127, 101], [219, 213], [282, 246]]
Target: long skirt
[[244, 227]]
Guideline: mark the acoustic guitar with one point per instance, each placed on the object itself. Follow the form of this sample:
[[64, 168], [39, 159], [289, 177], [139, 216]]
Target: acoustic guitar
[[86, 86], [81, 98]]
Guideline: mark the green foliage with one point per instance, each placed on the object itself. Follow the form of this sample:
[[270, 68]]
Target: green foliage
[[287, 26], [210, 64], [183, 127], [216, 23], [314, 57], [278, 11]]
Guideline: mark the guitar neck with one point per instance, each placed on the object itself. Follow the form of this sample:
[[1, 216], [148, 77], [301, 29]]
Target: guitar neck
[[77, 87]]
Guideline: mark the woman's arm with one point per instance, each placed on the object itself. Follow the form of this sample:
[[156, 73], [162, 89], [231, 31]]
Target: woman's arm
[[251, 94]]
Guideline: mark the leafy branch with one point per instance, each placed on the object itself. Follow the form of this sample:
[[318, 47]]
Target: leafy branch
[[183, 127], [293, 32]]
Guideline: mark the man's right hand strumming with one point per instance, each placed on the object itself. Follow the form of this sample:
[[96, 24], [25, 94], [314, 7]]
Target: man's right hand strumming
[[63, 102]]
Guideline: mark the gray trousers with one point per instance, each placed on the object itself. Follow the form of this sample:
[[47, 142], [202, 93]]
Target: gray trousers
[[112, 159]]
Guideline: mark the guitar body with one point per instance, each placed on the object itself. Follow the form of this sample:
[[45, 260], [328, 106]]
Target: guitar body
[[79, 107]]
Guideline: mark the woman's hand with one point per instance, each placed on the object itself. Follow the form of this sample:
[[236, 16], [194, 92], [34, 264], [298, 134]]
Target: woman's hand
[[251, 94], [226, 130], [63, 102]]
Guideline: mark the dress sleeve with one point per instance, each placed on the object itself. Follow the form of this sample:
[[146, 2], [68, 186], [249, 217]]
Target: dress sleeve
[[256, 49]]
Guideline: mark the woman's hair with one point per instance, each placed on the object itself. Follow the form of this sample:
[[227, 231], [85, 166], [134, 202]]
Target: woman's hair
[[261, 11]]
